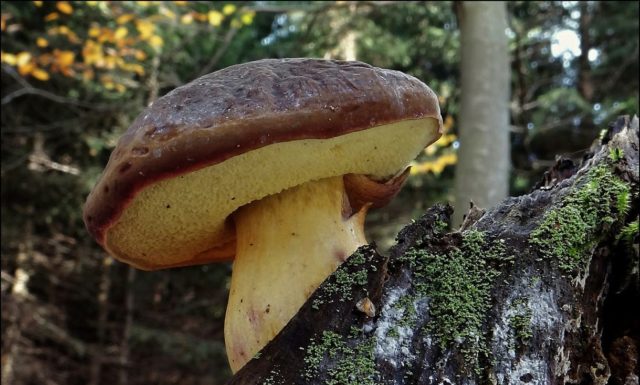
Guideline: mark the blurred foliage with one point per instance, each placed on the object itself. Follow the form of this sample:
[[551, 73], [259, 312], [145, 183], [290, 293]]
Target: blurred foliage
[[75, 74]]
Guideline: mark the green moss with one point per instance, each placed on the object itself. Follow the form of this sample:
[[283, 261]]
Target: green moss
[[568, 232], [441, 226], [458, 284], [520, 322], [344, 281], [616, 154], [628, 232], [356, 364]]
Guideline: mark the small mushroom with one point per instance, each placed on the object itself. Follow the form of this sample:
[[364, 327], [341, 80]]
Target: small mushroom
[[272, 164], [367, 307]]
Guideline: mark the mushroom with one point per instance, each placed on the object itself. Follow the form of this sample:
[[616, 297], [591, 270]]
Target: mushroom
[[272, 164]]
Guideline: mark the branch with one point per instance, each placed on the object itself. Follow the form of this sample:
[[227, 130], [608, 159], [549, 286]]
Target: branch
[[532, 291], [228, 38], [28, 89]]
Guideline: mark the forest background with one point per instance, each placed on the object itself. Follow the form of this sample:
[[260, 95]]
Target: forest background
[[76, 74]]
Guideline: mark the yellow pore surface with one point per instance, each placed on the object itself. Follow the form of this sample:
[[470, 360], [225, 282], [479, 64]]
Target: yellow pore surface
[[174, 220]]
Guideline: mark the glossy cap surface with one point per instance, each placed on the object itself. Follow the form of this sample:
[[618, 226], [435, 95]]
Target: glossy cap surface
[[244, 132]]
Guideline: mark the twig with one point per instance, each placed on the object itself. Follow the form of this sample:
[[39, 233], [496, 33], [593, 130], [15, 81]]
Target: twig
[[228, 37], [42, 161], [28, 89]]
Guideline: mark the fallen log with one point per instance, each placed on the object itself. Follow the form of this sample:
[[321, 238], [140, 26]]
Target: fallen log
[[542, 289]]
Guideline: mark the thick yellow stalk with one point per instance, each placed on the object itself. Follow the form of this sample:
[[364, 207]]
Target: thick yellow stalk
[[287, 244]]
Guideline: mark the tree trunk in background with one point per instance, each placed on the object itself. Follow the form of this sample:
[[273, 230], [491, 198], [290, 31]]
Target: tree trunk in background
[[128, 323], [347, 48], [538, 290], [585, 84], [482, 172], [103, 312], [19, 294]]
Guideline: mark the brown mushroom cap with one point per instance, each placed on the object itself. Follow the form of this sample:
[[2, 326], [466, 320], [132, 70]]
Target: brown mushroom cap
[[164, 183]]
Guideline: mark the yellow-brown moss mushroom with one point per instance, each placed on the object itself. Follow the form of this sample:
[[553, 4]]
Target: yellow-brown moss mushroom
[[272, 164]]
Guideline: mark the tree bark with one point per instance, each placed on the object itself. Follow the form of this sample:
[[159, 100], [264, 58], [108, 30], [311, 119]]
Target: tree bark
[[19, 294], [97, 360], [484, 110], [585, 84], [123, 375], [537, 290]]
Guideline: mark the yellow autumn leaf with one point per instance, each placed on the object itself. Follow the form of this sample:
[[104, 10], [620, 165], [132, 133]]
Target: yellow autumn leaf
[[180, 3], [166, 12], [186, 18], [94, 31], [448, 123], [42, 42], [8, 58], [92, 3], [444, 141], [145, 28], [137, 68], [38, 3], [105, 35], [120, 33], [200, 16], [64, 58], [435, 166], [92, 53], [120, 88], [23, 58], [247, 17], [52, 16], [64, 7], [421, 168], [26, 68], [126, 42], [110, 62], [156, 41], [40, 74], [140, 55], [64, 31], [215, 18], [228, 9], [123, 19], [133, 67]]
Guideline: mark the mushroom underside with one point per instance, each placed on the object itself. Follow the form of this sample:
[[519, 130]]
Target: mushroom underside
[[183, 220]]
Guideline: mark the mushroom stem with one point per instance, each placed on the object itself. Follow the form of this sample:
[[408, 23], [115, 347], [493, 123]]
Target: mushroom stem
[[287, 244]]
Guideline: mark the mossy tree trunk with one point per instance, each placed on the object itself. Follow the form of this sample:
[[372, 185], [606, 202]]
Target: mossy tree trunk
[[539, 290]]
